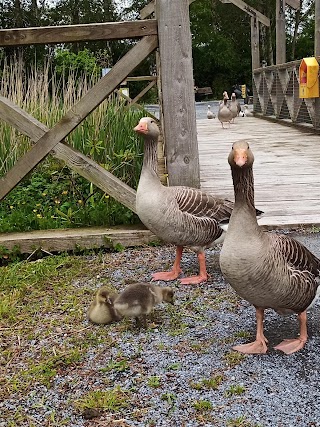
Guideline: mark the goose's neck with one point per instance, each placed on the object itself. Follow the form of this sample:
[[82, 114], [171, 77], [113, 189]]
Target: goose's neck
[[243, 188], [150, 158]]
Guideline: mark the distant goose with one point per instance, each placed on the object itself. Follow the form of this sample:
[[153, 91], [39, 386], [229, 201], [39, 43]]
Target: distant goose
[[268, 270], [210, 114], [139, 299], [182, 216], [234, 106], [247, 111], [224, 113], [101, 310]]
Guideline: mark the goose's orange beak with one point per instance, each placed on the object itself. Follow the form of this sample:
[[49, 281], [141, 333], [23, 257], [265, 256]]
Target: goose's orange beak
[[142, 127], [240, 157]]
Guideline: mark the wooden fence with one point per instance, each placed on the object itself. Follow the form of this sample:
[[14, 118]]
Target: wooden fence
[[276, 95], [175, 76]]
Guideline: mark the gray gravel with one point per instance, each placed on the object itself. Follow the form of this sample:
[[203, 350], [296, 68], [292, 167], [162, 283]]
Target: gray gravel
[[191, 341]]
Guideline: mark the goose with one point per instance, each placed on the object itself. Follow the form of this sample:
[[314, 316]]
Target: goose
[[247, 111], [268, 270], [224, 95], [224, 113], [210, 114], [182, 216], [234, 107], [139, 299], [101, 310]]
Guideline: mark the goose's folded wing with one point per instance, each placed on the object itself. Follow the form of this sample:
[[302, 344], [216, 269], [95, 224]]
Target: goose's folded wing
[[202, 205], [296, 254]]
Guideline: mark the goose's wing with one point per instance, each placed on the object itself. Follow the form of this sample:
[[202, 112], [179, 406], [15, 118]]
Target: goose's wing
[[296, 254], [200, 204]]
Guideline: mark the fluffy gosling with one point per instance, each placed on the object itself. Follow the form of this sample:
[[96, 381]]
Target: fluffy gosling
[[101, 310], [139, 299]]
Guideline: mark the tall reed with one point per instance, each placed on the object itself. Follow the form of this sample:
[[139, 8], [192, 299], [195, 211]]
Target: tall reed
[[106, 135]]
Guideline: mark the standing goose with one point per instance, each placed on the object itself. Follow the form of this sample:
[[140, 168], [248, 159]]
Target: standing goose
[[182, 216], [224, 113], [268, 270], [234, 107], [210, 114]]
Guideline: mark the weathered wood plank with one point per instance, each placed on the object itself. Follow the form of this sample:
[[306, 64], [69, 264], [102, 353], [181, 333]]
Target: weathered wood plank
[[77, 113], [255, 44], [74, 33], [178, 105], [78, 238], [140, 78], [280, 32]]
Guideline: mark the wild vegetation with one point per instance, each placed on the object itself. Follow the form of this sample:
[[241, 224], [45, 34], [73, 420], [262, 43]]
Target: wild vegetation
[[53, 196]]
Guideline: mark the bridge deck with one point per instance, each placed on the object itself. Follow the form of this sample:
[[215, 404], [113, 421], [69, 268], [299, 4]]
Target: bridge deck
[[286, 168]]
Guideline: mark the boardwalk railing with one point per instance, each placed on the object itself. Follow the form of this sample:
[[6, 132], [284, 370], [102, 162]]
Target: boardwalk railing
[[276, 95]]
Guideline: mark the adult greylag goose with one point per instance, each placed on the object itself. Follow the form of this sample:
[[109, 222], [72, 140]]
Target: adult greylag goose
[[182, 216], [268, 270], [224, 113], [139, 299], [234, 106], [210, 114]]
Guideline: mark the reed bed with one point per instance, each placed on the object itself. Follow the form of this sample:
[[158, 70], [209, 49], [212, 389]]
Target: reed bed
[[106, 136]]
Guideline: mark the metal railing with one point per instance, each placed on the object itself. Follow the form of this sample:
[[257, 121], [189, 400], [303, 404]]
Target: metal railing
[[276, 95]]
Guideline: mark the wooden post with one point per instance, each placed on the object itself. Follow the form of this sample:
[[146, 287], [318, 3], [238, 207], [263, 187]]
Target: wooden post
[[255, 48], [280, 32], [317, 29], [177, 92]]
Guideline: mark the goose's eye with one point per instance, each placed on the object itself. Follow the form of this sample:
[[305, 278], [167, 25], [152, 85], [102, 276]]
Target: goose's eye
[[152, 121]]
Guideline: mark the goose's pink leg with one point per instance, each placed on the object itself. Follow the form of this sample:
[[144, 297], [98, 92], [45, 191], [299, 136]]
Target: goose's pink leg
[[176, 269], [259, 346], [293, 345], [203, 275]]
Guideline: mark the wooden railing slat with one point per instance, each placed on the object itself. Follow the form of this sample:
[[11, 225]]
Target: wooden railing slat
[[75, 33]]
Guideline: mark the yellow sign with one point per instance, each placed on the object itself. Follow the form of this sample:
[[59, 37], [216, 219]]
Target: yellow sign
[[309, 78], [244, 91]]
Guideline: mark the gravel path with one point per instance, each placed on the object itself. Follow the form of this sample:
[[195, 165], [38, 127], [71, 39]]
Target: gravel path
[[182, 370]]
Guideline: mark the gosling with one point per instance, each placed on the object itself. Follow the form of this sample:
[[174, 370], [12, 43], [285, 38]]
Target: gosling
[[139, 299], [101, 310]]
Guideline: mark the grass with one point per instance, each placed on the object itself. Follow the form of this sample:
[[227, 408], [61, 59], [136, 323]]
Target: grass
[[233, 358], [202, 405], [208, 383], [235, 390], [53, 196], [109, 400], [154, 381]]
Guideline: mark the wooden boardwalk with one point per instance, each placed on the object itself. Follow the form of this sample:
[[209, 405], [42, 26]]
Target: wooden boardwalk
[[286, 168]]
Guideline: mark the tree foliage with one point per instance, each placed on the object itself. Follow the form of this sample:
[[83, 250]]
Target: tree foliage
[[220, 35]]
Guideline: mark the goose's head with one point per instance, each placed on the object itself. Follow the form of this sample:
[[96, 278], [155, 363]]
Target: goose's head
[[241, 155], [233, 96], [147, 126], [104, 296], [167, 294]]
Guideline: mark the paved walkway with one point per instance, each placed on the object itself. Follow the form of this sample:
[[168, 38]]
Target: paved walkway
[[286, 168]]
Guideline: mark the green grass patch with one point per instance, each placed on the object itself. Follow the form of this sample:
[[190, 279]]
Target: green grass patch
[[109, 400]]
